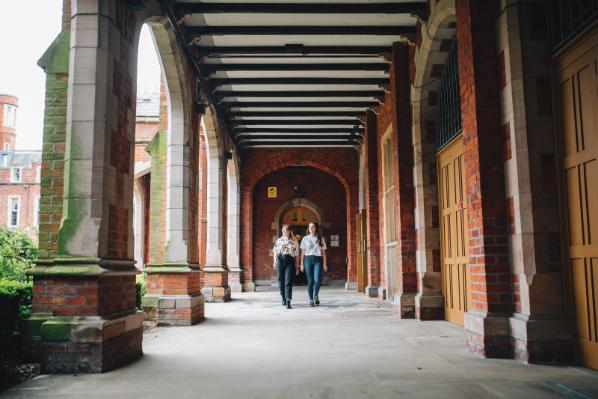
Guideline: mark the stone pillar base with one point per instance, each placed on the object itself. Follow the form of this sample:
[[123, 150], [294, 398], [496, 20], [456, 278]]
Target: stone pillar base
[[404, 305], [249, 287], [540, 340], [216, 294], [90, 344], [173, 310], [216, 287], [375, 292], [429, 307], [488, 335], [351, 286], [234, 279]]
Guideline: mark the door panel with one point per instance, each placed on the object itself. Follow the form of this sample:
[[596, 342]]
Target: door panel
[[453, 231], [578, 98]]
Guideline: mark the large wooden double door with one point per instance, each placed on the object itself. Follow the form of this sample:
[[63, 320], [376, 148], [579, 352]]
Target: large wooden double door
[[453, 231], [578, 99]]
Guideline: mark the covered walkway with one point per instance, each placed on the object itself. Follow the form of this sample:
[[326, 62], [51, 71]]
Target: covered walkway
[[349, 347]]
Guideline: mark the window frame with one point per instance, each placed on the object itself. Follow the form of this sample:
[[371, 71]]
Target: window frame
[[10, 116], [12, 174], [9, 204]]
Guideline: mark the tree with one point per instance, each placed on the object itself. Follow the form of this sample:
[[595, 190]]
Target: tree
[[17, 253]]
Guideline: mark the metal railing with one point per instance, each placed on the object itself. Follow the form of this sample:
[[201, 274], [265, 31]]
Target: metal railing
[[568, 17], [448, 112]]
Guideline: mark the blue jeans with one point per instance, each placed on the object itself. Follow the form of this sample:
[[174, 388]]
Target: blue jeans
[[313, 271]]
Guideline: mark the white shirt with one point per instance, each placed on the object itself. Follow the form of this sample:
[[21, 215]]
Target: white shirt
[[310, 245]]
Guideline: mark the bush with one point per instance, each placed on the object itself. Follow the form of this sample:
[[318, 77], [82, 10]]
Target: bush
[[17, 253], [141, 288], [15, 305]]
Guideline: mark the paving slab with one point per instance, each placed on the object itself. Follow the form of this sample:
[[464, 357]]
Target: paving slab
[[349, 347]]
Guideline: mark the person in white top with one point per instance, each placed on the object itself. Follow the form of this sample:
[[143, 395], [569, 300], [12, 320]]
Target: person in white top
[[285, 252], [313, 258]]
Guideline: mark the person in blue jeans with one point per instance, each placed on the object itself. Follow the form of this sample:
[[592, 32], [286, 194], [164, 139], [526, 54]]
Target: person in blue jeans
[[313, 259]]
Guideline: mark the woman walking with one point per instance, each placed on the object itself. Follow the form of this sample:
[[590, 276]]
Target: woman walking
[[285, 252], [313, 258]]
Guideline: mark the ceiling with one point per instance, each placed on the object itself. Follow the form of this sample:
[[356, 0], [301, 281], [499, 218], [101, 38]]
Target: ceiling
[[296, 73]]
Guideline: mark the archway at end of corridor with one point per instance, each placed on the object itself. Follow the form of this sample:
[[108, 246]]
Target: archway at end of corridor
[[298, 195]]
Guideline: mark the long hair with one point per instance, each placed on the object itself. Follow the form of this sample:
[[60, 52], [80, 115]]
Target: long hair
[[318, 232], [288, 228]]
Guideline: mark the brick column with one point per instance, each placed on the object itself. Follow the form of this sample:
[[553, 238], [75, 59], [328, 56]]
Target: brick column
[[216, 287], [405, 197], [486, 324], [173, 278], [247, 238], [84, 282], [373, 290], [352, 210]]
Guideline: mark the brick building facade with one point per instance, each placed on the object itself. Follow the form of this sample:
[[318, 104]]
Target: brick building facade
[[20, 175], [446, 150]]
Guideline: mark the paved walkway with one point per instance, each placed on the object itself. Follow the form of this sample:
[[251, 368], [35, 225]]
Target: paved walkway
[[349, 347]]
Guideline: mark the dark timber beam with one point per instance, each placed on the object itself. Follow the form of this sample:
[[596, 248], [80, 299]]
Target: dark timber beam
[[303, 8], [298, 104], [295, 143], [292, 137], [279, 114], [215, 82], [237, 123], [219, 94], [293, 49], [376, 30], [364, 66], [287, 131]]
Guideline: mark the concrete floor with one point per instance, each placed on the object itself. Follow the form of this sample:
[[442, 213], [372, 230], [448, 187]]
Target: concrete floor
[[349, 347]]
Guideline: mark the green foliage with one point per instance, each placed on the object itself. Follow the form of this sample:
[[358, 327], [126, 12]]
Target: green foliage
[[17, 253], [15, 305], [141, 288]]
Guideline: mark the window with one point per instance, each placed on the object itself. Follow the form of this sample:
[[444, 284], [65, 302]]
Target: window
[[6, 147], [36, 210], [14, 205], [10, 115], [15, 175], [38, 174]]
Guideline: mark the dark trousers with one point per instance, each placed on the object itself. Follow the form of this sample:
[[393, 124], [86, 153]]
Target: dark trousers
[[285, 265], [313, 271]]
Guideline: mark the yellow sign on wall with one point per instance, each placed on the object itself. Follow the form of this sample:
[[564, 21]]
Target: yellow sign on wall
[[272, 192]]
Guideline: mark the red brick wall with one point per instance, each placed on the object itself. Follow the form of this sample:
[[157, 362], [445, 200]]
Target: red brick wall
[[7, 133], [84, 296], [144, 133], [66, 14], [491, 288], [318, 187], [28, 190], [343, 163]]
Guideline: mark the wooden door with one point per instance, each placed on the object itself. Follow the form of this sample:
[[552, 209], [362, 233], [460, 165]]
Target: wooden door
[[362, 275], [453, 231], [578, 100]]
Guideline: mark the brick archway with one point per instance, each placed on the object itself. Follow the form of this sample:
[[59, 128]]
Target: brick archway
[[341, 163], [433, 43]]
